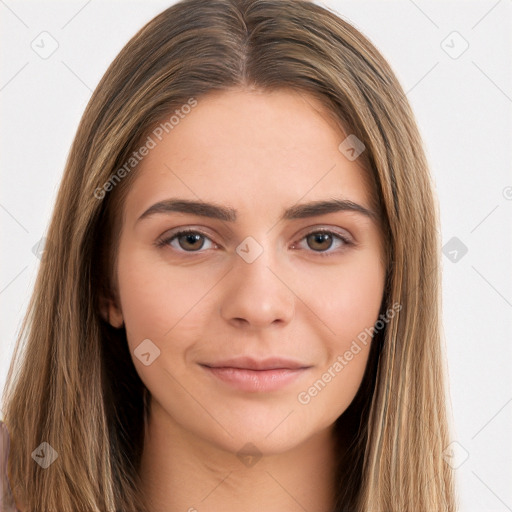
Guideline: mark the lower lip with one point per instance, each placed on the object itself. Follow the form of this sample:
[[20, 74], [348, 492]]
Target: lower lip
[[256, 380]]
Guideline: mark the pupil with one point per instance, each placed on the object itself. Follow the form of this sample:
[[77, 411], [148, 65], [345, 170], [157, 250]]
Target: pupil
[[318, 238], [191, 238]]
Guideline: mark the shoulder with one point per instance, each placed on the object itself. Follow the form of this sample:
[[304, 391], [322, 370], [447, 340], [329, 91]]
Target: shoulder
[[6, 498]]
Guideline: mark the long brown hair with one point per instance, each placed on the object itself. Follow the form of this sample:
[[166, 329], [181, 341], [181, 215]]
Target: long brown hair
[[72, 382]]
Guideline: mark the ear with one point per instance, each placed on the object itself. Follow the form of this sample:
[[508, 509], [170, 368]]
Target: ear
[[111, 312]]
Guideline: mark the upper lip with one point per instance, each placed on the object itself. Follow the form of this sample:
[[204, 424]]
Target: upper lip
[[248, 363]]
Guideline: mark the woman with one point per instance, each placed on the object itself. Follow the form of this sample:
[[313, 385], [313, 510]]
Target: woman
[[238, 304]]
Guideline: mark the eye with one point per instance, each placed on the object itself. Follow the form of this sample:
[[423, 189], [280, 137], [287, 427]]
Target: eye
[[321, 241], [187, 240]]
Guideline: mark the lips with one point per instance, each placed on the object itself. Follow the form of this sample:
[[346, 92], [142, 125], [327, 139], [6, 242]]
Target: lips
[[256, 376], [248, 363]]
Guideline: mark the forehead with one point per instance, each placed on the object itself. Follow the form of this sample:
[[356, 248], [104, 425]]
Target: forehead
[[245, 147]]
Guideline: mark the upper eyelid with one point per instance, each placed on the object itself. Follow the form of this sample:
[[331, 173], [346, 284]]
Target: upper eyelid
[[183, 230]]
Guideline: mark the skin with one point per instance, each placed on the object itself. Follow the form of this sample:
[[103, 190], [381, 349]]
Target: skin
[[259, 153]]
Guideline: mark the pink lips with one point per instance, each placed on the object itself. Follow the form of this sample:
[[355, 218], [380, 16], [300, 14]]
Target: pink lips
[[247, 374]]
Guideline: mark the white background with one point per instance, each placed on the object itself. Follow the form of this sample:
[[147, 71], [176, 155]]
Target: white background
[[463, 107]]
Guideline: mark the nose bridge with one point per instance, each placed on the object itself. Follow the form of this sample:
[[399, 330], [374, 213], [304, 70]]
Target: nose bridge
[[257, 295]]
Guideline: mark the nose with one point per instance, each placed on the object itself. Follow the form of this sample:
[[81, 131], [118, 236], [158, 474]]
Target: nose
[[257, 294]]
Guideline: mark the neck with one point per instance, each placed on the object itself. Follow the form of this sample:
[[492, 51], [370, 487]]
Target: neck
[[180, 472]]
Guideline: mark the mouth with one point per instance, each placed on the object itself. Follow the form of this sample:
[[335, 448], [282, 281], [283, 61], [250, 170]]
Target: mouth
[[248, 363], [253, 375]]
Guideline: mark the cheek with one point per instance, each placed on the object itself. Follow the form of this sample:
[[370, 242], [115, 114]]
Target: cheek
[[167, 307], [156, 302], [348, 298], [349, 306]]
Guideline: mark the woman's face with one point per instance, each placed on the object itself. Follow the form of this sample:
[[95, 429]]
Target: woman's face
[[246, 329]]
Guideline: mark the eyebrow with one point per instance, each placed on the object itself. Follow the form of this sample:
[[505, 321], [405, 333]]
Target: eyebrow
[[214, 211]]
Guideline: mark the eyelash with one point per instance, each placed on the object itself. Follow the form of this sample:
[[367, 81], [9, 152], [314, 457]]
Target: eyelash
[[163, 242]]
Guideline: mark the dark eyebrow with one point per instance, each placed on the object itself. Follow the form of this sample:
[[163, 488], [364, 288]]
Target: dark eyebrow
[[299, 211]]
